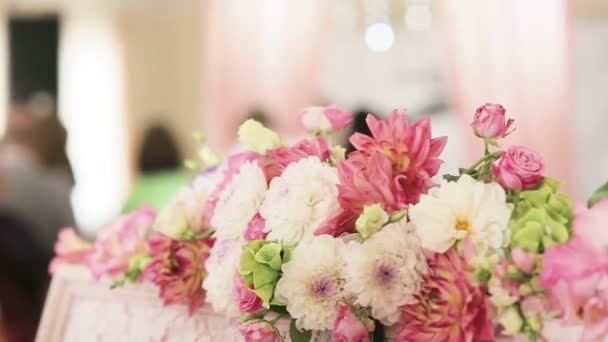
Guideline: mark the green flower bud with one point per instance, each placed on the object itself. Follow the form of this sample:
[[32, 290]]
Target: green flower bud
[[371, 220], [535, 323], [511, 320], [256, 137], [542, 218], [260, 266]]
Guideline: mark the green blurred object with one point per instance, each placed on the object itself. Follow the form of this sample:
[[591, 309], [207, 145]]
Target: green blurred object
[[156, 188]]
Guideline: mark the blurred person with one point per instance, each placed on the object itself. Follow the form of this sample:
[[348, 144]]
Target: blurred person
[[160, 170], [35, 182], [23, 280]]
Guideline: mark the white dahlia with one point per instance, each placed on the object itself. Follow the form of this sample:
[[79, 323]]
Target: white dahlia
[[312, 284], [299, 200], [384, 272], [463, 209], [239, 202], [222, 266]]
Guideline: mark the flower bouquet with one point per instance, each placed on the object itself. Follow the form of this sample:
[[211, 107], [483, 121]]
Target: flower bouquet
[[366, 246]]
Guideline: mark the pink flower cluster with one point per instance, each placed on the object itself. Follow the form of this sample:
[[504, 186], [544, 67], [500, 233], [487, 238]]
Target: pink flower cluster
[[449, 307], [115, 246], [576, 274], [392, 167], [177, 269], [117, 243]]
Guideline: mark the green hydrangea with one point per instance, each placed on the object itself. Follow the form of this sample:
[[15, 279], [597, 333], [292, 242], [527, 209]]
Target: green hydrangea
[[260, 266], [541, 218]]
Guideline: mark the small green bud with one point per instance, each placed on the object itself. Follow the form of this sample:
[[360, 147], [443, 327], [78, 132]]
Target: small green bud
[[371, 220]]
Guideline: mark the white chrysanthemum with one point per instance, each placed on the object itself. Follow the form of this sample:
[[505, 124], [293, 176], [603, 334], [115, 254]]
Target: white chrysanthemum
[[463, 209], [185, 211], [313, 282], [239, 202], [299, 200], [384, 272], [222, 266]]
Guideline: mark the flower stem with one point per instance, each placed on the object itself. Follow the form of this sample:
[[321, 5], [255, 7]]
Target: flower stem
[[486, 158], [276, 319]]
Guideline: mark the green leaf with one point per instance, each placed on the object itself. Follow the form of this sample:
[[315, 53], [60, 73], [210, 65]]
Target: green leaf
[[270, 255], [263, 274], [254, 316], [280, 309], [247, 262], [598, 195], [265, 293], [287, 254], [276, 303], [248, 278], [298, 335]]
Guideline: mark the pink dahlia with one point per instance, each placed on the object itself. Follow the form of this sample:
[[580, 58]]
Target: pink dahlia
[[277, 159], [177, 268], [448, 307], [575, 274], [393, 167], [413, 153], [358, 188], [120, 241], [69, 249]]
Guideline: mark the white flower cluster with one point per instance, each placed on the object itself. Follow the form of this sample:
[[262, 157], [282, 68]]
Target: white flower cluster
[[466, 209], [384, 273], [298, 201], [239, 202], [222, 266]]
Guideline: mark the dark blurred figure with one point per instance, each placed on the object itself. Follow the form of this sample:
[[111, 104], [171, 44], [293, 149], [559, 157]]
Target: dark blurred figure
[[160, 170], [159, 151], [23, 280], [358, 126], [35, 178]]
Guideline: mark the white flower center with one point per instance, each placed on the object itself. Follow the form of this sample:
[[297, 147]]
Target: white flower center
[[324, 287], [386, 273]]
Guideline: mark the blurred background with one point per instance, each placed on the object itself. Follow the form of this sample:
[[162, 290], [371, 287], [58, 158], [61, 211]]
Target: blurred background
[[99, 99]]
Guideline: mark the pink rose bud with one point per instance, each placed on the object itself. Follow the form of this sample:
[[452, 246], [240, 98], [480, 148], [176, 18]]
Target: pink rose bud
[[324, 118], [518, 168], [525, 261], [259, 331], [489, 122], [245, 298], [349, 328], [255, 229]]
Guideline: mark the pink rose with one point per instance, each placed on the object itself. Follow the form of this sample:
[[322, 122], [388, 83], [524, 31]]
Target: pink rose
[[519, 168], [246, 299], [120, 241], [489, 122], [259, 331], [348, 328], [255, 229], [324, 118], [525, 261]]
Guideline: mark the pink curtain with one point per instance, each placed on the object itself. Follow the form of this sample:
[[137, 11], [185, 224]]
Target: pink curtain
[[260, 54], [514, 52]]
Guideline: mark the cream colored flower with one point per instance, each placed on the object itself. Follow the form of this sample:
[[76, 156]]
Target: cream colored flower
[[463, 209], [255, 136]]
